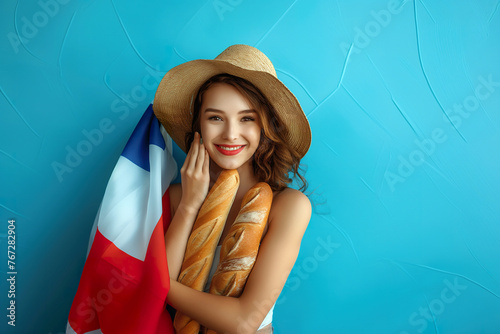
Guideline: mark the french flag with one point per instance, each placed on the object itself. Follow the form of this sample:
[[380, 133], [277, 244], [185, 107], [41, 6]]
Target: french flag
[[124, 283]]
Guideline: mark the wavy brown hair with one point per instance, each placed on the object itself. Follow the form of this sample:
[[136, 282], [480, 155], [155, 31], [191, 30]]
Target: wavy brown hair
[[274, 159]]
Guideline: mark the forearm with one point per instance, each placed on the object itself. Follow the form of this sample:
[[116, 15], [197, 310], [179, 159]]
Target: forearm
[[176, 238], [219, 313]]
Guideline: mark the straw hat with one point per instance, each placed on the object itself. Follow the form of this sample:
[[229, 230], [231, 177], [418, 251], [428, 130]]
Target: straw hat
[[177, 90]]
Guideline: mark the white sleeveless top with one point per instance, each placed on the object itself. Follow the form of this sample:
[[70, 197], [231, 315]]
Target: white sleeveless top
[[269, 317]]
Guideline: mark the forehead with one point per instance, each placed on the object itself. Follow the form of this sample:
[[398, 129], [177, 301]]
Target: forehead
[[226, 98]]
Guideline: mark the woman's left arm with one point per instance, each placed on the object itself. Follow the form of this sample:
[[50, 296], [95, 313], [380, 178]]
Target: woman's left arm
[[288, 220]]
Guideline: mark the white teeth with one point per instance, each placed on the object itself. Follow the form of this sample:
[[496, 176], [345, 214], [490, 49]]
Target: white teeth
[[230, 148]]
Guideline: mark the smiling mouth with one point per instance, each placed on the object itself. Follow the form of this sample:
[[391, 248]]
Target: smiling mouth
[[230, 149]]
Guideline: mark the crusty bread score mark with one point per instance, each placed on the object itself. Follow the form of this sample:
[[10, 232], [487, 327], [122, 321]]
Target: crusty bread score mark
[[188, 276], [242, 263], [203, 240], [200, 236], [220, 195], [251, 217]]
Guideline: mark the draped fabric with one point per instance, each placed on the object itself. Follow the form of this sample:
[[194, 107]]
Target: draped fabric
[[124, 283]]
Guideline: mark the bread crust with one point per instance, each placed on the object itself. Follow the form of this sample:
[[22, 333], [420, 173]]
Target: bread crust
[[241, 245], [203, 240]]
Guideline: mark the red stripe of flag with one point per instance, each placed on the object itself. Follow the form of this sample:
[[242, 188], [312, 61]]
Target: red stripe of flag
[[121, 294]]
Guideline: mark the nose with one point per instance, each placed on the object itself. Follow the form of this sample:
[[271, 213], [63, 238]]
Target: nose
[[231, 131]]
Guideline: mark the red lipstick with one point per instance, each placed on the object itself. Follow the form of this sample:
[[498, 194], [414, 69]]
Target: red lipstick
[[231, 151]]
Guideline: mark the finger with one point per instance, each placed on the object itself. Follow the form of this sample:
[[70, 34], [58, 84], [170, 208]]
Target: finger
[[206, 163], [194, 151], [201, 157], [189, 155], [185, 165]]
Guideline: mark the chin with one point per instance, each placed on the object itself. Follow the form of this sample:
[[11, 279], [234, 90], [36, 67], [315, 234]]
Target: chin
[[231, 165]]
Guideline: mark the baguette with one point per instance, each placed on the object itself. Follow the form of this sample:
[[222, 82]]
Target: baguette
[[203, 240], [241, 245]]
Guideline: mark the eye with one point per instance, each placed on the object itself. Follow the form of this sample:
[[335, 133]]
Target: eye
[[214, 118], [248, 119]]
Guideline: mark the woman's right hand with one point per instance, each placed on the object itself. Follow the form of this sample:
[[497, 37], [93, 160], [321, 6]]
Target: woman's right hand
[[195, 176]]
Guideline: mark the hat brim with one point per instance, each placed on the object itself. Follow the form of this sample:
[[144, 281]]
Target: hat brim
[[174, 97]]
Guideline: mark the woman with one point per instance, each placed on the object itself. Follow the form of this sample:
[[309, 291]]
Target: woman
[[233, 113]]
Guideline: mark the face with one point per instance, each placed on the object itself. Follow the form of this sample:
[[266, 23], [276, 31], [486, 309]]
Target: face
[[230, 128]]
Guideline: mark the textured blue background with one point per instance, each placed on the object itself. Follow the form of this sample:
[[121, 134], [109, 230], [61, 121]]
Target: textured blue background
[[403, 99]]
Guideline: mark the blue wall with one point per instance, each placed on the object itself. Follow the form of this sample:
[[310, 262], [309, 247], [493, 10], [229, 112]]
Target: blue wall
[[403, 99]]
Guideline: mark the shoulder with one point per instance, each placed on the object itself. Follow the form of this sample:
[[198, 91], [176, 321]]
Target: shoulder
[[175, 192], [290, 196], [291, 207]]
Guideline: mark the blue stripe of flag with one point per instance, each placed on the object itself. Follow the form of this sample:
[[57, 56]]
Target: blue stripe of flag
[[147, 132]]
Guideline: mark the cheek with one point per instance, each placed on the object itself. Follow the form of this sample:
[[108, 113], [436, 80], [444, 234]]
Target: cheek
[[255, 138], [257, 133], [205, 132]]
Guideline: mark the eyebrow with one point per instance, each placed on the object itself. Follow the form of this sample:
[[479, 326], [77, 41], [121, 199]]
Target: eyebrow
[[245, 111]]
